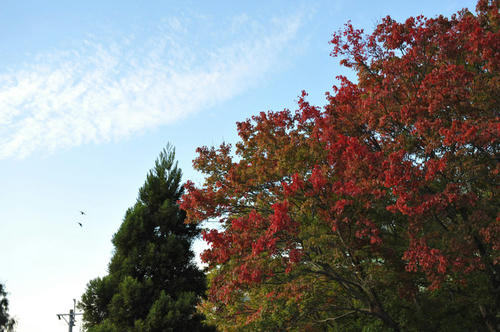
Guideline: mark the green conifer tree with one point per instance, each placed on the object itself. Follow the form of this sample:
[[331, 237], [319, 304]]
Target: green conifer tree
[[152, 282]]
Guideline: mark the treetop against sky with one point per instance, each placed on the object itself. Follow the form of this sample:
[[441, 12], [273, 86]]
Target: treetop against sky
[[91, 92]]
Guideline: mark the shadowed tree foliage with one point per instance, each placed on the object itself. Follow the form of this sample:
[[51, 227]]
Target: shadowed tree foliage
[[153, 283], [6, 322]]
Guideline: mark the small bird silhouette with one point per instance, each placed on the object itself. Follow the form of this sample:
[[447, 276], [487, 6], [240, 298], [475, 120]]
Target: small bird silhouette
[[79, 223], [82, 213]]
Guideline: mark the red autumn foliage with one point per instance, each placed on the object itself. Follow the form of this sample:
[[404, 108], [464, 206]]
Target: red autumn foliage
[[396, 176]]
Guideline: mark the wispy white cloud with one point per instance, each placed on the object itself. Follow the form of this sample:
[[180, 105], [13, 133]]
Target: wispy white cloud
[[107, 91]]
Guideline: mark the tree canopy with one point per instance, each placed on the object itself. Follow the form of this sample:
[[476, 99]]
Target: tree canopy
[[7, 323], [378, 211], [153, 283]]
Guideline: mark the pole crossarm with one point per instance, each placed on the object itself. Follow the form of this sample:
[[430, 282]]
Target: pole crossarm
[[71, 316]]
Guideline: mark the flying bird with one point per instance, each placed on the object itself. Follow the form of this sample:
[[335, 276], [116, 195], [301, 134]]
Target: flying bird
[[79, 223], [82, 213]]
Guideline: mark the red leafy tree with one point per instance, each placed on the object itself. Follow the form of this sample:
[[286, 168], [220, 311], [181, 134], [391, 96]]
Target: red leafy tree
[[380, 209]]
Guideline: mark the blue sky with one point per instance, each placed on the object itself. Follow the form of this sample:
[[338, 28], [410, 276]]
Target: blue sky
[[91, 91]]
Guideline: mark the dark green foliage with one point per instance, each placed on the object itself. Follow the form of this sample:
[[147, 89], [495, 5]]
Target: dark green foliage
[[6, 322], [153, 283]]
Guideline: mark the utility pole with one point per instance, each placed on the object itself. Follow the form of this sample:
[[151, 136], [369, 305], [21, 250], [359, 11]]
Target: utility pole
[[71, 316]]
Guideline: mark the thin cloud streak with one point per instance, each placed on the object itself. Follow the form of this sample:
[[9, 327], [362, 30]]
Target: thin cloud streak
[[103, 92]]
